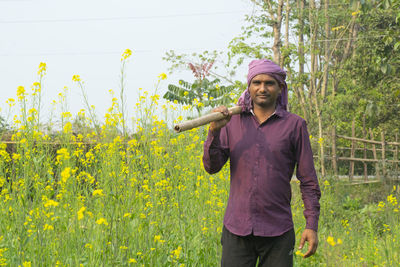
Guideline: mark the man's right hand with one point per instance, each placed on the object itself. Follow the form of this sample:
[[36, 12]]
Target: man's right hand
[[217, 125]]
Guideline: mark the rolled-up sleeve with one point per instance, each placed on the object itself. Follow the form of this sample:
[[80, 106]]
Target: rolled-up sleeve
[[307, 176], [216, 151]]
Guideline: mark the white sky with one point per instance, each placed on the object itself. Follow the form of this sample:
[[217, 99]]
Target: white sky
[[88, 37]]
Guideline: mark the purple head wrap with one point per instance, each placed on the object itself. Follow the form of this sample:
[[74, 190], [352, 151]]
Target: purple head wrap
[[265, 66]]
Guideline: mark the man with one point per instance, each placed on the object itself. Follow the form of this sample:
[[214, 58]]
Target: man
[[264, 144]]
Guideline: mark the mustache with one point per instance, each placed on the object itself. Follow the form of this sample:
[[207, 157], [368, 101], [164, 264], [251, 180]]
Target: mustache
[[263, 95]]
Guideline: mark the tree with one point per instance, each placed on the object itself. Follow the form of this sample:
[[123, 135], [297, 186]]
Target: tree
[[203, 92], [369, 78], [4, 127]]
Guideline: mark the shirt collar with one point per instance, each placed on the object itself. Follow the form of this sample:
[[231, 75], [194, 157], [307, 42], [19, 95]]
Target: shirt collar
[[279, 111]]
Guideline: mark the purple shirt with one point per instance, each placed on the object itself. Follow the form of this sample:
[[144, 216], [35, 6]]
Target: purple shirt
[[262, 161]]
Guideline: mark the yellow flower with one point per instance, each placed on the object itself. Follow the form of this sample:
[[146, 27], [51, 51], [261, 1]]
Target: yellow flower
[[331, 241], [392, 199], [88, 245], [355, 13], [337, 28], [127, 53], [50, 203], [80, 213], [98, 192], [65, 174], [299, 253], [102, 221], [10, 102], [26, 264], [48, 227], [157, 238], [62, 154], [16, 156], [42, 68], [162, 76], [20, 92], [67, 127], [177, 252], [132, 261], [76, 78]]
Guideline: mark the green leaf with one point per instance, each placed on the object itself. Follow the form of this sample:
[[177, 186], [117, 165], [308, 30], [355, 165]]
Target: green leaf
[[384, 68], [396, 46]]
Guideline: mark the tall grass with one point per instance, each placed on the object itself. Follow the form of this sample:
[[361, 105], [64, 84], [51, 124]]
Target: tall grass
[[99, 199]]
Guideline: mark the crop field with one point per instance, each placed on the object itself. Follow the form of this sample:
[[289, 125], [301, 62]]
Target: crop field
[[107, 197]]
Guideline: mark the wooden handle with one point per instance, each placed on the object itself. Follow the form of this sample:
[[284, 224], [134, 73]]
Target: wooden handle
[[203, 120]]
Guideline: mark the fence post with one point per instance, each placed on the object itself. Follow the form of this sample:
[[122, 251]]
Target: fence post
[[365, 151], [353, 147], [377, 173], [396, 156], [383, 156], [334, 159]]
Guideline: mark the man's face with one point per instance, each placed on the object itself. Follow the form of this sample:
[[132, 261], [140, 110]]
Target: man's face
[[264, 90]]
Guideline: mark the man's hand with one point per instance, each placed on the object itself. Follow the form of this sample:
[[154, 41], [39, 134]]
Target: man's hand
[[216, 125], [312, 238]]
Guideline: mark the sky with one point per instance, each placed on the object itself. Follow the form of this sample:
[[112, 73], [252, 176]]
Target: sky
[[88, 37]]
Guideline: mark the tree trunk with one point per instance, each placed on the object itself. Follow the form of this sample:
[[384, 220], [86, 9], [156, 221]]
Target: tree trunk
[[326, 55], [286, 41], [286, 45], [300, 51], [313, 83], [276, 17]]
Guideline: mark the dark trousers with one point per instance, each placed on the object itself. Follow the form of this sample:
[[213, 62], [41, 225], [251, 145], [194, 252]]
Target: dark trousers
[[243, 251]]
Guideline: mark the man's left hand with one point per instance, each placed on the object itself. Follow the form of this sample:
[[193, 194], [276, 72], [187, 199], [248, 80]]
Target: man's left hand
[[312, 238]]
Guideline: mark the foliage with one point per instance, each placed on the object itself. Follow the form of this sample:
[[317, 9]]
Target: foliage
[[370, 77], [3, 125], [181, 61], [255, 39], [201, 93]]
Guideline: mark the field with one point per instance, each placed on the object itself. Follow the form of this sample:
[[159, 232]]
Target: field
[[104, 197]]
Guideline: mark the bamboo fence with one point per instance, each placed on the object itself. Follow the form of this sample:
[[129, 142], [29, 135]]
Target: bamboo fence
[[380, 155]]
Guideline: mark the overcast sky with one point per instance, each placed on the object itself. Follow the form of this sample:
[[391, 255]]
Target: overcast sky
[[88, 37]]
